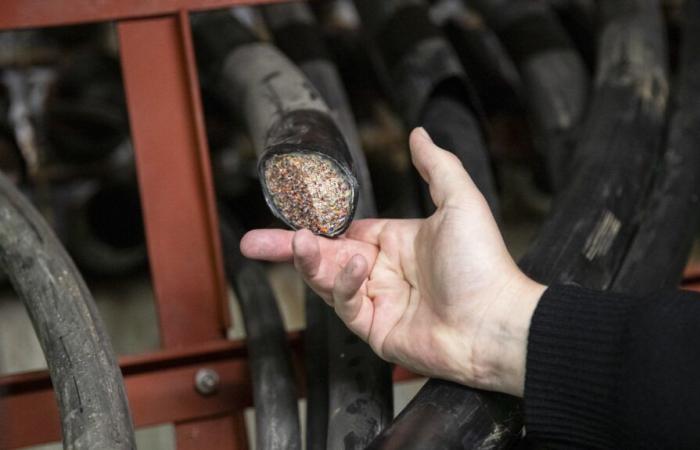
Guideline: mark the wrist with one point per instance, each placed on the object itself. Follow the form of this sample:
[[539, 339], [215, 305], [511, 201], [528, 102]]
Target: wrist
[[499, 351]]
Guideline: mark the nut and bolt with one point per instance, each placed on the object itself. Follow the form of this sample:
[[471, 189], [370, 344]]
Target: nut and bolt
[[206, 381]]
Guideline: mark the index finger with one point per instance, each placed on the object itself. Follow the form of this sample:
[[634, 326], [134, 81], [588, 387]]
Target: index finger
[[268, 245]]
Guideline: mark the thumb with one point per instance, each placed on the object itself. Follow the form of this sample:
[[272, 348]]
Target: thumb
[[448, 181]]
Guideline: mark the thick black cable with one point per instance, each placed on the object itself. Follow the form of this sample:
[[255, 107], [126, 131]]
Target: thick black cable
[[84, 371], [358, 400], [283, 111], [659, 251], [428, 84], [274, 388], [555, 81]]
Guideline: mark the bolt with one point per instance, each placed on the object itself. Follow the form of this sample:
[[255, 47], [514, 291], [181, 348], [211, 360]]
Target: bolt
[[206, 381]]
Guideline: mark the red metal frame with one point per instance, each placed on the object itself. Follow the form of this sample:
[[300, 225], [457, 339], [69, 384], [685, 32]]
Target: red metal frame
[[174, 173], [173, 166], [172, 162], [41, 13]]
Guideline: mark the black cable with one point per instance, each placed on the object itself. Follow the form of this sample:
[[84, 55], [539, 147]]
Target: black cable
[[353, 374], [555, 80], [274, 388], [84, 370]]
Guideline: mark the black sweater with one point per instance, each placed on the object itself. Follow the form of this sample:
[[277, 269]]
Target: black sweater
[[607, 370]]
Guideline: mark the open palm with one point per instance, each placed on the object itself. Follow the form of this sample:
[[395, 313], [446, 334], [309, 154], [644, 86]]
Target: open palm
[[418, 291]]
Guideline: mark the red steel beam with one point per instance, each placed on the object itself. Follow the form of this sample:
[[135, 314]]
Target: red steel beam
[[174, 174], [160, 387], [40, 13], [172, 160]]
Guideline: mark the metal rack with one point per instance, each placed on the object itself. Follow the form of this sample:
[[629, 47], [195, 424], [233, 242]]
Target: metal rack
[[175, 182]]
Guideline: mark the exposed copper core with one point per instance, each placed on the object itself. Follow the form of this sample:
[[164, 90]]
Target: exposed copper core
[[310, 191]]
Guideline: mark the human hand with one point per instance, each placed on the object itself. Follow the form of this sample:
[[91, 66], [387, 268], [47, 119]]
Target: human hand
[[441, 296]]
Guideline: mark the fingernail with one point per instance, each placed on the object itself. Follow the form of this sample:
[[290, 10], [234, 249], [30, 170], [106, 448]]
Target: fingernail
[[424, 133]]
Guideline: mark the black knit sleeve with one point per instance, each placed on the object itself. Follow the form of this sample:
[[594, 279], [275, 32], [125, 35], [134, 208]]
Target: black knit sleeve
[[606, 370]]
